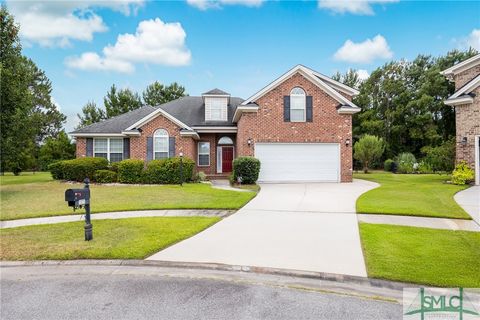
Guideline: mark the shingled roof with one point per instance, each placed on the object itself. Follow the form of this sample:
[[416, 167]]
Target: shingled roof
[[216, 91]]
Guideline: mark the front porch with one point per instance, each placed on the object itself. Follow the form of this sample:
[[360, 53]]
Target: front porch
[[215, 154]]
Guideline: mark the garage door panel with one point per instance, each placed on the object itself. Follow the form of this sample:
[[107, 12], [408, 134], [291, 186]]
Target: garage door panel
[[298, 162]]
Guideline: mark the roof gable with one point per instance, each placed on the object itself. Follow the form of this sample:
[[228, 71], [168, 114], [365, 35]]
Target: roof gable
[[315, 78], [462, 66]]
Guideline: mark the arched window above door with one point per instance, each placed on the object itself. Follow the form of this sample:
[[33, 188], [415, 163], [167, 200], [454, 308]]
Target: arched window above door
[[225, 141]]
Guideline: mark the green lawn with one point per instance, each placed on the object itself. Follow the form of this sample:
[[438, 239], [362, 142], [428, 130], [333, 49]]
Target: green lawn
[[411, 194], [135, 238], [47, 198], [419, 255], [25, 177]]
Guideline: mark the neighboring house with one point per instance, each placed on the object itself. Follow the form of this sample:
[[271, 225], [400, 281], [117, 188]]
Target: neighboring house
[[299, 126], [466, 101]]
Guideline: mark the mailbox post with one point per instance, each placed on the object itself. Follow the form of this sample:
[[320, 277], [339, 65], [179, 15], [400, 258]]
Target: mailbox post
[[78, 198], [88, 224]]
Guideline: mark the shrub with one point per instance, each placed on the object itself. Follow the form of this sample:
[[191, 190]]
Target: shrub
[[388, 164], [424, 167], [113, 166], [105, 176], [167, 171], [368, 149], [247, 168], [199, 176], [56, 169], [406, 162], [130, 171], [462, 174], [441, 158], [77, 169]]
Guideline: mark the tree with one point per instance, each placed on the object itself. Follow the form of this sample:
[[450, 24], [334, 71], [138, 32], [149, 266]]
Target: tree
[[156, 93], [402, 102], [90, 114], [349, 78], [28, 115], [368, 149], [118, 102], [55, 149]]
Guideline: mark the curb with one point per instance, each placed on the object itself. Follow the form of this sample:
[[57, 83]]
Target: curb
[[375, 283]]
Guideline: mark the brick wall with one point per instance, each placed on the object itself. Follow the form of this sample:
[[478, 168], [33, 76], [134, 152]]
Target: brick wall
[[138, 145], [468, 125], [465, 76], [81, 151], [267, 124]]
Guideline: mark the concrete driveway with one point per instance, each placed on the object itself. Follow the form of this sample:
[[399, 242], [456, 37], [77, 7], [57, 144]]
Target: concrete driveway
[[469, 200], [309, 227]]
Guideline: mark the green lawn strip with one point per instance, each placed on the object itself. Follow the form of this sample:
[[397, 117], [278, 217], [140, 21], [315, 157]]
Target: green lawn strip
[[25, 177], [434, 257], [47, 198], [411, 194], [135, 238]]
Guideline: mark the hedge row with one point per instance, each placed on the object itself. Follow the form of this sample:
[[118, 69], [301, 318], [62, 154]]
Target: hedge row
[[165, 171]]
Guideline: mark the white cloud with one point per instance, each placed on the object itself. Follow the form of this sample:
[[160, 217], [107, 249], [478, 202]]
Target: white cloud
[[364, 52], [362, 74], [360, 7], [216, 4], [55, 23], [153, 42], [472, 40]]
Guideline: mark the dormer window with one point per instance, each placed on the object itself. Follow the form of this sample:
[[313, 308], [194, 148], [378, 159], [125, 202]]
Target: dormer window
[[216, 105]]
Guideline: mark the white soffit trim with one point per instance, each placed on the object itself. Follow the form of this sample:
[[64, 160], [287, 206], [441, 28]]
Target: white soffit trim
[[348, 110], [241, 109], [192, 134], [307, 73], [215, 129], [459, 101], [464, 65], [337, 85], [130, 133], [88, 135], [466, 89], [154, 114]]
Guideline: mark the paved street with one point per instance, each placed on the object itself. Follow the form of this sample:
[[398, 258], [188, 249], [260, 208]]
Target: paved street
[[130, 293], [309, 226]]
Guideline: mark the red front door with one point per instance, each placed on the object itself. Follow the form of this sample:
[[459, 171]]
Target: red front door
[[227, 158]]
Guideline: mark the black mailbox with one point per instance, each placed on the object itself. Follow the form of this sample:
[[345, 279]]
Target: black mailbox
[[77, 197]]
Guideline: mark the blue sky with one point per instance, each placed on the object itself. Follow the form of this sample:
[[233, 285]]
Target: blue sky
[[236, 45]]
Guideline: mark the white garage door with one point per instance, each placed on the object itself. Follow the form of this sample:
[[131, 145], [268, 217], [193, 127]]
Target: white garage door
[[298, 162]]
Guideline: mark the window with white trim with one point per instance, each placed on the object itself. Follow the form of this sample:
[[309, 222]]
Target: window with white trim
[[160, 144], [216, 108], [298, 105], [108, 148], [203, 153]]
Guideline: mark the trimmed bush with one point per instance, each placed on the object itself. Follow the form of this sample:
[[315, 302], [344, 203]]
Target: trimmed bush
[[441, 158], [247, 169], [462, 174], [130, 171], [105, 176], [167, 171], [406, 162], [199, 176], [56, 169], [113, 166], [78, 169], [388, 165]]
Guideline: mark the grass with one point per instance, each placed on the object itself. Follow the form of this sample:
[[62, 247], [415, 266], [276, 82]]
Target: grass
[[135, 238], [411, 194], [24, 178], [443, 258], [251, 187], [43, 199]]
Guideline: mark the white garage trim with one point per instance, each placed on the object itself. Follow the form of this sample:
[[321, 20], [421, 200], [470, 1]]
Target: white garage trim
[[298, 162]]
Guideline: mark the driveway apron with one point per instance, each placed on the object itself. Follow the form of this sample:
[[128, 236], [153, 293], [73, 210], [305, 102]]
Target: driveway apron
[[310, 227]]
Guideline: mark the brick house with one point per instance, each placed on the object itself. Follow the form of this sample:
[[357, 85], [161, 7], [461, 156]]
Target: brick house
[[299, 126], [466, 101]]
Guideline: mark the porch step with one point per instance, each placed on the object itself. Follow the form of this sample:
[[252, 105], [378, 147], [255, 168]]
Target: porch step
[[216, 176]]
